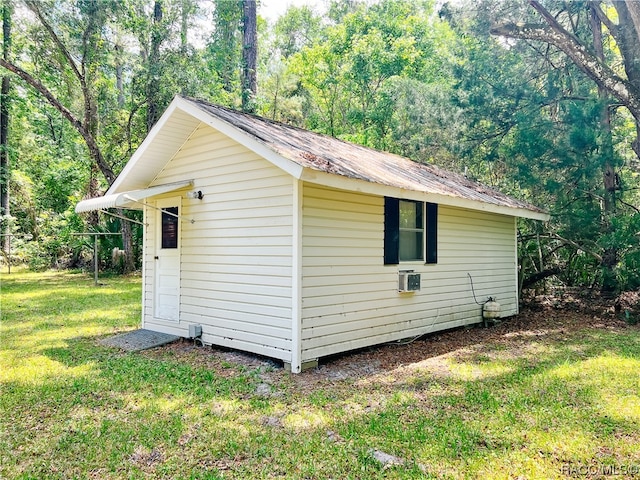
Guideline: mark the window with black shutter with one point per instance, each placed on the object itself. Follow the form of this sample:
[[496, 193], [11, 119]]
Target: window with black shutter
[[410, 231]]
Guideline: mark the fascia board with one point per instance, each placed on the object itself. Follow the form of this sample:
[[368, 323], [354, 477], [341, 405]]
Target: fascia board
[[357, 185], [289, 166]]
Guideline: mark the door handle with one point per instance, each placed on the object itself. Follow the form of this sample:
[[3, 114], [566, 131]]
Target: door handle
[[156, 258]]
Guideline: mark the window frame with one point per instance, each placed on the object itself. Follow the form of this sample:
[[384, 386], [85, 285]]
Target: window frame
[[418, 218], [169, 228], [392, 231]]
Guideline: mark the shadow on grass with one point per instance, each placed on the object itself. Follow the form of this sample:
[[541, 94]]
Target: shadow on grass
[[527, 421], [132, 372]]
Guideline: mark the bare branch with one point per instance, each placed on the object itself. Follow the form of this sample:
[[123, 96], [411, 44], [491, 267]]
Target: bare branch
[[571, 46], [94, 149], [629, 205], [34, 6], [564, 241], [44, 91], [606, 21], [536, 277]]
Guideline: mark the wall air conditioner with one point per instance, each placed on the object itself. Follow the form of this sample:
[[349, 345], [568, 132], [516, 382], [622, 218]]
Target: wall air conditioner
[[408, 281]]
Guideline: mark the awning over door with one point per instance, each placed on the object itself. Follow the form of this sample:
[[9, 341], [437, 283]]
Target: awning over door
[[131, 200]]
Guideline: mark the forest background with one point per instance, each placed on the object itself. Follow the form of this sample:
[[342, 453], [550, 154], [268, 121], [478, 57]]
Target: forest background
[[540, 100]]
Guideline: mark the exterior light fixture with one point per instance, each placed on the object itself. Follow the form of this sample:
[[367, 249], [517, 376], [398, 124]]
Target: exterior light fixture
[[196, 194]]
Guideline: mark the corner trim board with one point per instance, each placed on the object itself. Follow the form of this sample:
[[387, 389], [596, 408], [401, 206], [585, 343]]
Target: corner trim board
[[296, 281]]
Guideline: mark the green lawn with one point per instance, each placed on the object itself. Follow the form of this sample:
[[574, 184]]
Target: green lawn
[[514, 404]]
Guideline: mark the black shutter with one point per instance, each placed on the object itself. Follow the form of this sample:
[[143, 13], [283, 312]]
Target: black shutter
[[432, 232], [391, 231]]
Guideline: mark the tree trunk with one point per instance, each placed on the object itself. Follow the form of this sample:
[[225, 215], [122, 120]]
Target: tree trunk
[[249, 55], [127, 244], [119, 73], [5, 210], [93, 218], [610, 254], [185, 9], [536, 277], [153, 83]]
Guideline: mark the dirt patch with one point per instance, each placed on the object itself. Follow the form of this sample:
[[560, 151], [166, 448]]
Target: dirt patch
[[146, 458], [543, 317]]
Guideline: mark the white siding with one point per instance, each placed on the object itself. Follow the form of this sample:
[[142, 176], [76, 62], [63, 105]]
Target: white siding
[[351, 300], [236, 257]]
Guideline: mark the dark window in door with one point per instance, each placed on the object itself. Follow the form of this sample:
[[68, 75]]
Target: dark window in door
[[170, 227]]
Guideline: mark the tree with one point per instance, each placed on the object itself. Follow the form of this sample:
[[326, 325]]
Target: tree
[[297, 28], [223, 52], [5, 210], [249, 55], [84, 72], [621, 19], [577, 31], [75, 57], [537, 119], [351, 69], [154, 66]]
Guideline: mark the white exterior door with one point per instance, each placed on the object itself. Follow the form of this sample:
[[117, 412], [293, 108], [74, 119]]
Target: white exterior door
[[167, 260]]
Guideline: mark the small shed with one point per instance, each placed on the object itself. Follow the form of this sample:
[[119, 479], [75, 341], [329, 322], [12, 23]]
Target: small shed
[[275, 240]]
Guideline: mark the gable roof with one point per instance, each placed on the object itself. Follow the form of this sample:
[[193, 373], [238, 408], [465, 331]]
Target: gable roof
[[312, 157]]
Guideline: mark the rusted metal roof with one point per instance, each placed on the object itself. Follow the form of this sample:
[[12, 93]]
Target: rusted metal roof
[[331, 155]]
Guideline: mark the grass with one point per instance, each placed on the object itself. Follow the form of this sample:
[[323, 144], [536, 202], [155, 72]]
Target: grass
[[546, 406]]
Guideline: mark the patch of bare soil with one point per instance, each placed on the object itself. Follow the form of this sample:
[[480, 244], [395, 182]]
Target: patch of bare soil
[[542, 317]]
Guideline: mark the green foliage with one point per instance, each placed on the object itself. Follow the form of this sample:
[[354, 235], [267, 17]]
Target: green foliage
[[52, 168], [297, 28], [54, 246], [350, 72], [624, 236], [394, 74], [534, 129], [424, 124], [223, 54]]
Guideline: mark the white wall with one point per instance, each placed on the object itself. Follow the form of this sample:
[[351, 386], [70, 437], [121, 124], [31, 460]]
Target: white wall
[[236, 258], [351, 300]]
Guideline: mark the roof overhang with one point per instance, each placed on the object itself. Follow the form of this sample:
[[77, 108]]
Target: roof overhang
[[184, 116], [131, 199], [171, 132], [356, 185]]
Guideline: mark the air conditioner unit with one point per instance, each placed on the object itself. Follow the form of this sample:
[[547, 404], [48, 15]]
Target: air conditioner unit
[[408, 281]]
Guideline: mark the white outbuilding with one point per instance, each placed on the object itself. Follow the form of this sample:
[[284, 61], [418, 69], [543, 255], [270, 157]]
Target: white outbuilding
[[275, 240]]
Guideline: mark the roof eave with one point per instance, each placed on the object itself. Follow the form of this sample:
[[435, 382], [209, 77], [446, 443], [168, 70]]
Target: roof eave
[[233, 132], [123, 181], [120, 182], [345, 183]]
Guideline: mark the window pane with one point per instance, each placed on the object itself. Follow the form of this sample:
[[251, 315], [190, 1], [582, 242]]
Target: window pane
[[410, 245], [410, 214], [169, 228], [411, 230]]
